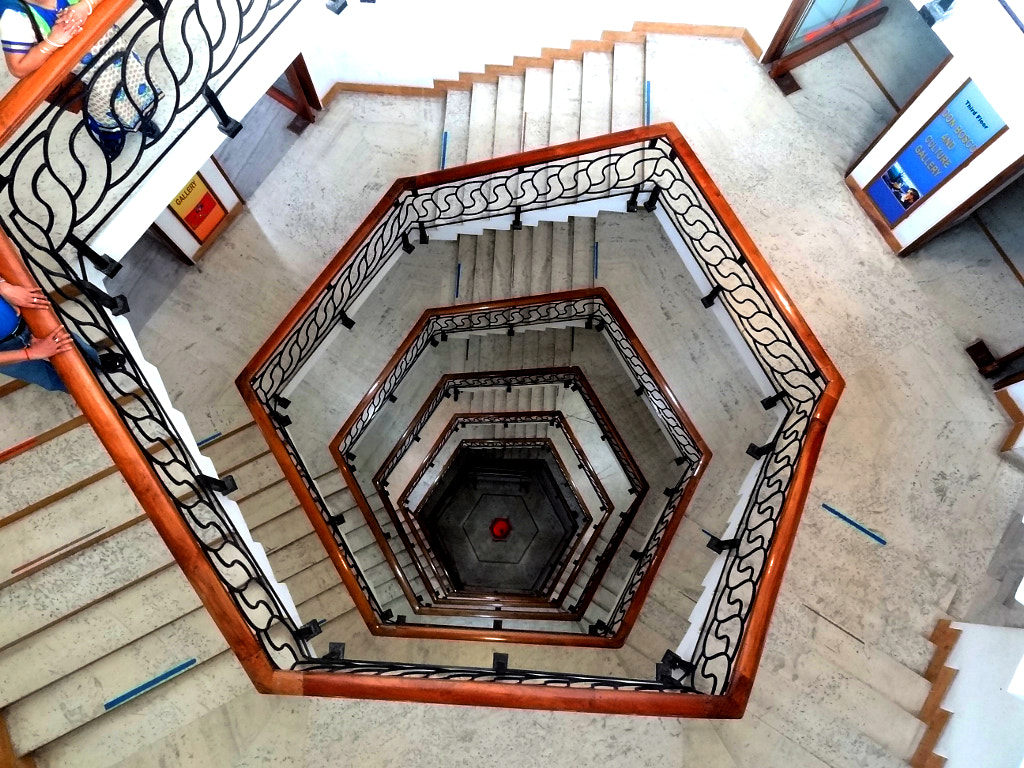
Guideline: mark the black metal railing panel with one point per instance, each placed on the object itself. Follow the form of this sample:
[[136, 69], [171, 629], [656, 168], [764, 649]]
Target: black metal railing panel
[[654, 171], [66, 173], [57, 187]]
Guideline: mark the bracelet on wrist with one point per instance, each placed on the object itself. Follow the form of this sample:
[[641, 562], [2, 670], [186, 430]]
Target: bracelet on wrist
[[50, 42], [27, 358]]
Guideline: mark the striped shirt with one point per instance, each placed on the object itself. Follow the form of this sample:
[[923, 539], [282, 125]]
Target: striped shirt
[[17, 33]]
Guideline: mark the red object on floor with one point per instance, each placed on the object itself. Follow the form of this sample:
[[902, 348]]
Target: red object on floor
[[500, 528]]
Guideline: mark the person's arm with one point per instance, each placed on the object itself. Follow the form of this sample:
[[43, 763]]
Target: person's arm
[[23, 64], [40, 349]]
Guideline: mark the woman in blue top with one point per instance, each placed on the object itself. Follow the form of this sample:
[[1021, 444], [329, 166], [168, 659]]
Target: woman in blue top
[[120, 98], [24, 357]]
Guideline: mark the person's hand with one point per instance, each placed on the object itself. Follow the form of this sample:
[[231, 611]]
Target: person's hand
[[75, 14], [22, 297], [64, 29], [48, 346]]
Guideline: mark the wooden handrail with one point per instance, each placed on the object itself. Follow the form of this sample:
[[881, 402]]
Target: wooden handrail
[[465, 633], [21, 101], [733, 702], [153, 497], [137, 471]]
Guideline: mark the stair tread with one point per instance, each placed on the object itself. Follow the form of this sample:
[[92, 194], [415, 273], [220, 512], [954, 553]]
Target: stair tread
[[483, 103], [536, 107], [566, 79], [596, 94], [508, 118], [627, 86], [456, 124]]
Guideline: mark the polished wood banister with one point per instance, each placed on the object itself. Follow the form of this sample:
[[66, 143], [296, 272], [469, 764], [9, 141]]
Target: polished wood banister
[[463, 603], [409, 183], [21, 101], [140, 476], [733, 702], [509, 696]]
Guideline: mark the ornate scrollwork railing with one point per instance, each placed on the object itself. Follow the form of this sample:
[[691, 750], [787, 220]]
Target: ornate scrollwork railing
[[653, 167], [57, 188], [58, 183]]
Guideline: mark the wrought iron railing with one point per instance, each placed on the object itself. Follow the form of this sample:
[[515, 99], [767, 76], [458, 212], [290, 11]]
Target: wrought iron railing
[[571, 377], [655, 168], [406, 517], [594, 562], [591, 309], [654, 163], [57, 188]]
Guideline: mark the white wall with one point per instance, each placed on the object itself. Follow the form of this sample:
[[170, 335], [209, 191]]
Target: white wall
[[987, 726]]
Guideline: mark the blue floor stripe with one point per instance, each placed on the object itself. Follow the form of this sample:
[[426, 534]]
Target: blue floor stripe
[[206, 440], [138, 691], [855, 524]]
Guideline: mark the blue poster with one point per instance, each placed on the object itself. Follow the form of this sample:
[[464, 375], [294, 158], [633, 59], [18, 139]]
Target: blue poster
[[962, 128]]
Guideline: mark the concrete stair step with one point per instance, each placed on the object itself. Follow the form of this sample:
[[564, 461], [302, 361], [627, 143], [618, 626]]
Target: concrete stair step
[[235, 448], [483, 269], [826, 710], [38, 411], [83, 518], [67, 460], [177, 703], [467, 261], [456, 125], [536, 107], [596, 94], [483, 104], [522, 261], [583, 239], [627, 86], [508, 117], [86, 631], [80, 580], [94, 632], [80, 697], [885, 576], [501, 264], [540, 259], [561, 256], [181, 700], [566, 81]]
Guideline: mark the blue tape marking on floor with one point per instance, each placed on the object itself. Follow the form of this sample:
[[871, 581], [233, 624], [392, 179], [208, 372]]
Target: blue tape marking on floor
[[855, 524], [444, 149], [138, 691], [595, 261], [206, 440], [458, 278], [647, 103]]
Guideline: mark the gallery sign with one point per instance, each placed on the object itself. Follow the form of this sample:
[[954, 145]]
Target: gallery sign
[[950, 140], [198, 208]]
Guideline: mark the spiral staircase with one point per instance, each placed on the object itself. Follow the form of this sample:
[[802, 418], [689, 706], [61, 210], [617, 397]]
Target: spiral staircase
[[581, 348]]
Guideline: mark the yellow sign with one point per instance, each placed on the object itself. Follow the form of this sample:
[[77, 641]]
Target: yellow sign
[[198, 208]]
